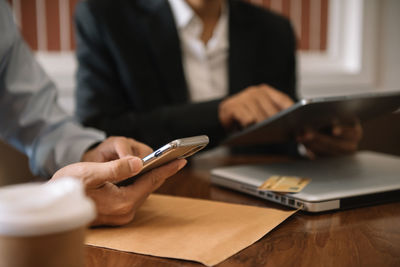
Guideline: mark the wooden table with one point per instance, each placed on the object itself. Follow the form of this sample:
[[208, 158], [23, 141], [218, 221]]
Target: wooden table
[[368, 236]]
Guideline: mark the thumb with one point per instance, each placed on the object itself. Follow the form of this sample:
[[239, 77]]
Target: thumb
[[112, 171], [337, 130]]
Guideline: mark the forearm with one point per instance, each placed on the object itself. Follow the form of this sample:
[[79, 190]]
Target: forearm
[[30, 117], [62, 145]]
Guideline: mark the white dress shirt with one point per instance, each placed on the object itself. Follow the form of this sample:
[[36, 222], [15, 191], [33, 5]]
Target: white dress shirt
[[205, 65], [30, 118]]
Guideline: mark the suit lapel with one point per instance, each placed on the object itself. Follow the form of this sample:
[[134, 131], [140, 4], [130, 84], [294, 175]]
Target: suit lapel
[[165, 46]]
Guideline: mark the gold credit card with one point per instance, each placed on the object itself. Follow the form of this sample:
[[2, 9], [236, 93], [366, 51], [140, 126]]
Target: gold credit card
[[290, 184]]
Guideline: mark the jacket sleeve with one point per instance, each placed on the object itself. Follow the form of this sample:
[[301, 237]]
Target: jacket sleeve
[[291, 70], [102, 101], [30, 118]]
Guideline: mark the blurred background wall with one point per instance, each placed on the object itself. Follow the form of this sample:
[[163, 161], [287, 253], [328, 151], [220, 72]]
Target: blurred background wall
[[47, 25]]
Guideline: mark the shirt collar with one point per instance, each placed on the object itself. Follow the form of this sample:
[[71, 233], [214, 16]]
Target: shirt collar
[[182, 13]]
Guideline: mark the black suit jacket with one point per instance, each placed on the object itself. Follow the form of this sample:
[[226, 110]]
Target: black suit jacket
[[131, 81]]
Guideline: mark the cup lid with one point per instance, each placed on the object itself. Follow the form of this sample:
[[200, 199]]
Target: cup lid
[[37, 209]]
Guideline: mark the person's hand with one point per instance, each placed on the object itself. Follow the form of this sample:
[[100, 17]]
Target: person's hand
[[115, 148], [343, 139], [252, 105], [118, 205]]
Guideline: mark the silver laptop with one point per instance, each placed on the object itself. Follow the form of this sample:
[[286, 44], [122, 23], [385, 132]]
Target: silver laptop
[[337, 183]]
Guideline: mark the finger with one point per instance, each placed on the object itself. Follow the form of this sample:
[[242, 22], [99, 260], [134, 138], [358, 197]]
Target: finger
[[316, 150], [306, 135], [264, 113], [260, 103], [110, 149], [97, 174], [254, 111], [237, 114], [351, 132], [330, 145], [140, 149], [267, 104], [249, 105], [152, 180], [226, 111], [258, 96], [114, 220], [130, 147], [122, 147], [113, 206], [246, 107], [119, 147], [243, 117], [281, 100], [305, 151], [337, 130]]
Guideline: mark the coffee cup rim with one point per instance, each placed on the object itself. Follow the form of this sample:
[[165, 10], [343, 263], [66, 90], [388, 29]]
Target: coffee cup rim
[[37, 209]]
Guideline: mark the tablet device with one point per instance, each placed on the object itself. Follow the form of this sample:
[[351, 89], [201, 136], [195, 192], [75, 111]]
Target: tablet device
[[316, 113]]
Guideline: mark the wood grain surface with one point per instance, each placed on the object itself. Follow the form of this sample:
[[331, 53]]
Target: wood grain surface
[[367, 236]]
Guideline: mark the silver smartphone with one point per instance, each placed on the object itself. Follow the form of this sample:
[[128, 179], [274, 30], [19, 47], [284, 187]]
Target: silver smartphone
[[177, 149]]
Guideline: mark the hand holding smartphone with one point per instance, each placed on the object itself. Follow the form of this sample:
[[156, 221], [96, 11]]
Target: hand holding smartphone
[[177, 149]]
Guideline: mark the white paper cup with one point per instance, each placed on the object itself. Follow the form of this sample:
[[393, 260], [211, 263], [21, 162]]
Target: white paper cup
[[44, 224]]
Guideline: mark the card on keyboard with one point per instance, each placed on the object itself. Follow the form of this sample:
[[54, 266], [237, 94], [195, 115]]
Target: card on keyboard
[[289, 184]]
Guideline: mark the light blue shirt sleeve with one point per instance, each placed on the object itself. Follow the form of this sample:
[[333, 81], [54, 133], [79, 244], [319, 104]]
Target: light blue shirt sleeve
[[30, 118]]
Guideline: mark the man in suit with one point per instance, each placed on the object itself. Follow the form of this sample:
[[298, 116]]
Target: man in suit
[[187, 67]]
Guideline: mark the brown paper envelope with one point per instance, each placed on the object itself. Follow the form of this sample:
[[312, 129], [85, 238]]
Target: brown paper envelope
[[190, 229]]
